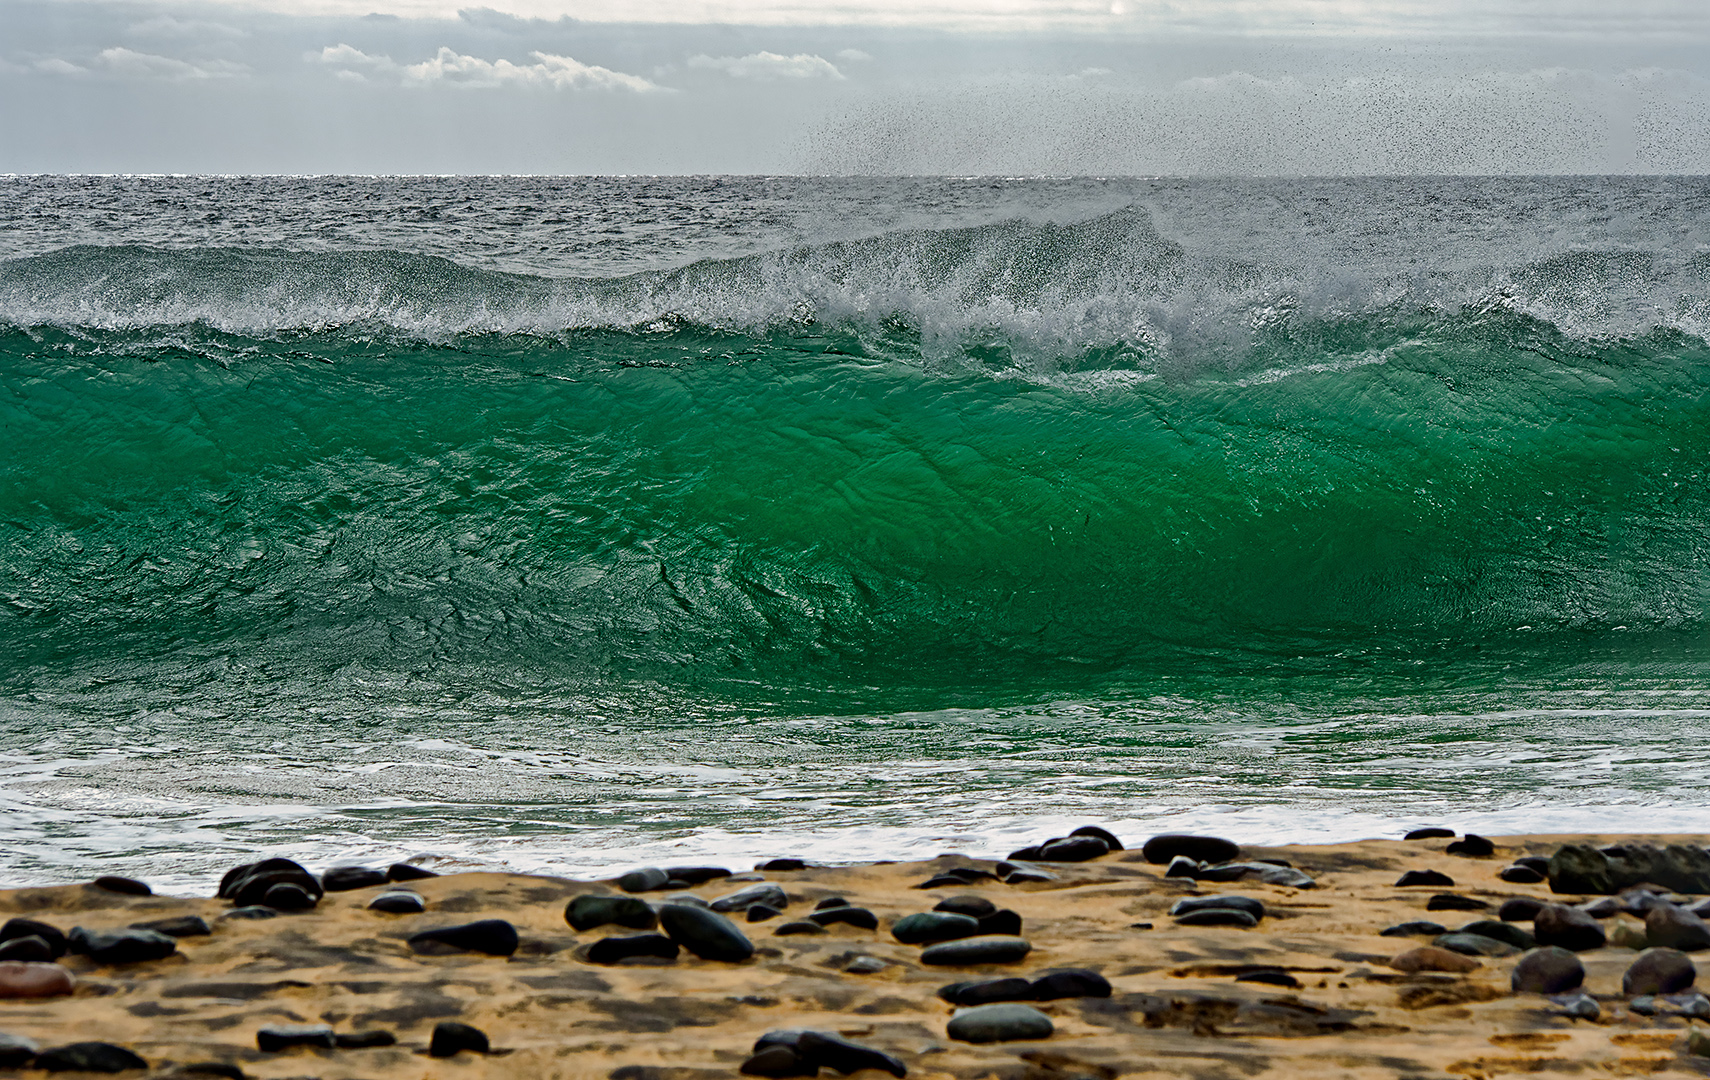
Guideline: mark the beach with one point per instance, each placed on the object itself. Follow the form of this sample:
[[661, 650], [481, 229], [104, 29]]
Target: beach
[[1312, 987]]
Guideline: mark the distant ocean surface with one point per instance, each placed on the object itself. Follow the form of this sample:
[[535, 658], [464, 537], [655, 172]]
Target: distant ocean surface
[[568, 525]]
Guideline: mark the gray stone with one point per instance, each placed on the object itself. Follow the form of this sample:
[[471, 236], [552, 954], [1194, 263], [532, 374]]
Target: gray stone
[[818, 1049], [1004, 1021], [646, 879], [1073, 849], [1251, 906], [1416, 928], [398, 902], [1473, 945], [1218, 916], [1567, 927], [97, 1057], [687, 898], [865, 965], [177, 926], [495, 937], [707, 934], [1549, 970], [742, 899], [976, 950], [1580, 868], [123, 946], [1206, 849], [1580, 1006], [589, 911], [928, 927], [1659, 971], [277, 1037], [1501, 931], [1669, 927], [975, 907]]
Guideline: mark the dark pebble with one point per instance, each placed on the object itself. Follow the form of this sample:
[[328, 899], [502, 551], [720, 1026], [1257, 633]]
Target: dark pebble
[[1004, 1021], [403, 871], [1451, 902], [253, 888], [1500, 931], [1026, 877], [762, 912], [1218, 917], [1568, 928], [97, 1057], [783, 864], [1669, 927], [976, 950], [855, 916], [1659, 971], [777, 1062], [831, 902], [16, 1051], [1473, 945], [1520, 875], [1431, 832], [121, 946], [230, 878], [799, 926], [696, 875], [1202, 903], [125, 885], [279, 1037], [1109, 838], [221, 1069], [1003, 921], [971, 875], [398, 902], [818, 1049], [1471, 847], [1604, 907], [1272, 977], [1026, 854], [1534, 862], [986, 991], [1206, 849], [976, 907], [177, 926], [1073, 849], [647, 879], [929, 927], [587, 912], [27, 950], [288, 896], [364, 1040], [1070, 983], [450, 1038], [17, 928], [1183, 867], [1416, 928], [1519, 909], [254, 911], [1425, 877], [743, 899], [1549, 970], [611, 950], [346, 878], [495, 937], [707, 934]]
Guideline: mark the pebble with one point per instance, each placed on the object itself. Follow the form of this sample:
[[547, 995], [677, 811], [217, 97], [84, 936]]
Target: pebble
[[254, 911], [125, 885], [707, 934], [1579, 868], [1432, 958], [17, 928], [1002, 922], [1669, 927], [1473, 945], [1659, 971], [986, 991], [613, 949], [27, 980], [1269, 873], [590, 911], [1251, 906], [1425, 877], [777, 1061], [1430, 832], [1519, 909], [1549, 970], [1005, 1021], [1109, 838], [865, 965], [976, 950], [1073, 849], [1698, 1041], [1471, 846], [289, 896], [821, 1049], [647, 879], [1070, 983], [450, 1038], [121, 946], [742, 899], [1580, 1006], [972, 875], [1520, 875], [495, 937], [1534, 862], [1604, 907], [1501, 931], [1206, 849], [1181, 866], [1026, 877], [782, 864], [1627, 936], [1270, 977], [253, 886], [1027, 854], [762, 912], [27, 950], [831, 902], [1451, 902], [398, 902], [364, 1040], [403, 871], [346, 878], [1218, 916], [98, 1057], [858, 917], [279, 1037], [977, 907], [696, 875], [928, 927], [798, 927], [1557, 924], [16, 1051], [177, 926], [1417, 928]]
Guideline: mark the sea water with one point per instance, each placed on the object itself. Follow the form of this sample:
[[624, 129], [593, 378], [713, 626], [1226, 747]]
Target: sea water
[[572, 524]]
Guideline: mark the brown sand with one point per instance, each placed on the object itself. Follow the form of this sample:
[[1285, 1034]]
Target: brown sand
[[1176, 1010]]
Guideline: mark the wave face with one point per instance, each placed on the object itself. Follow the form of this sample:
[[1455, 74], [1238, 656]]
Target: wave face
[[1010, 448]]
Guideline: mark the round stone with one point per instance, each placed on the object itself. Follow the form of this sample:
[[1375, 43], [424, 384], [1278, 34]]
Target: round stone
[[1549, 970], [1659, 971], [1004, 1021]]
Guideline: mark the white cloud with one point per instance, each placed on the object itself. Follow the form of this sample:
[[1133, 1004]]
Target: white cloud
[[854, 56], [457, 69], [165, 26], [130, 64], [342, 55], [769, 65], [56, 66]]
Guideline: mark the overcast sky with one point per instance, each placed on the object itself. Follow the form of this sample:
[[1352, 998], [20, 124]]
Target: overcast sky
[[881, 86]]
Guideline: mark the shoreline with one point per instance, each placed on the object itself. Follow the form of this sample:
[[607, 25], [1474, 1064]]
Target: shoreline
[[1310, 985]]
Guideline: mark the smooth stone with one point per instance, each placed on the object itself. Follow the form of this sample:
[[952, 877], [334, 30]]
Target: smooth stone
[[798, 927], [971, 875], [279, 1037], [254, 911], [928, 927], [123, 946], [1624, 935], [1501, 931], [230, 878], [403, 871], [818, 1049], [16, 1051], [833, 901], [1416, 928], [1579, 1006], [1433, 958], [1074, 849], [865, 965], [742, 899], [1070, 983], [1451, 902], [1691, 1004], [346, 878], [17, 928], [588, 911], [177, 926], [495, 937], [1519, 909], [976, 950], [251, 887], [1640, 901], [783, 864], [986, 991], [1659, 971], [1471, 846], [1004, 1021], [1109, 838], [1430, 832], [398, 902], [1183, 867], [1002, 922], [27, 950], [364, 1040], [761, 912], [687, 898], [19, 979], [975, 907], [1026, 877], [707, 934], [1579, 868], [1549, 970], [778, 1062], [1218, 916], [1270, 977], [451, 1038], [1669, 927], [1604, 907], [1206, 849], [98, 1057], [647, 879], [1534, 862], [126, 886], [696, 875], [289, 896], [1026, 854], [1201, 903], [1473, 945], [858, 917], [1520, 875], [1425, 877], [1269, 873], [613, 949]]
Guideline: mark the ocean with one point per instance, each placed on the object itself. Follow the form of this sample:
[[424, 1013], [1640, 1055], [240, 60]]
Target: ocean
[[566, 525]]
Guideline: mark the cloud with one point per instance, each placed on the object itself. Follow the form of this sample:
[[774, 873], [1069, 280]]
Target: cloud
[[769, 65], [165, 26], [130, 64], [854, 56], [56, 66], [453, 68]]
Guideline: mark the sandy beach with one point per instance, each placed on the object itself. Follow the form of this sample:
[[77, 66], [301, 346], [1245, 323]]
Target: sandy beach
[[1314, 989]]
